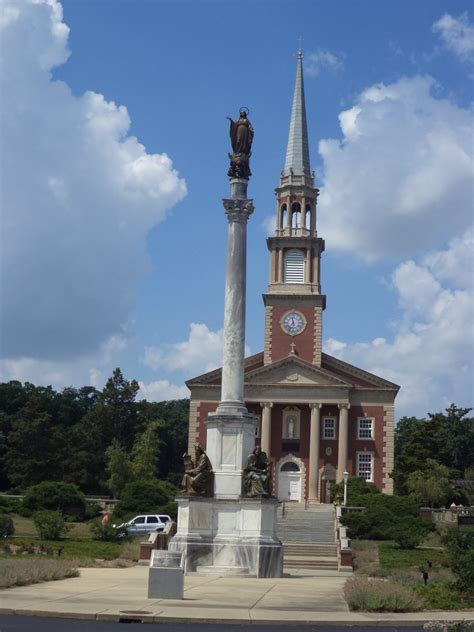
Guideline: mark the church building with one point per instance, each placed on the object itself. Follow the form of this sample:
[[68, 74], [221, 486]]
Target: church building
[[319, 416]]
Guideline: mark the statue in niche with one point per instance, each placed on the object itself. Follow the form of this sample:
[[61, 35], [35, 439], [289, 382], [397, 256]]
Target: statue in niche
[[198, 479], [290, 429], [241, 137], [256, 475]]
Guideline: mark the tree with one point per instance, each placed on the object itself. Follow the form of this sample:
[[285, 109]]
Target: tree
[[146, 451], [36, 448], [119, 409], [448, 438], [431, 486], [119, 468]]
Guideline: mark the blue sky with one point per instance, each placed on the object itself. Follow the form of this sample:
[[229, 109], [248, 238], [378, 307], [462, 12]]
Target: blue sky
[[120, 252]]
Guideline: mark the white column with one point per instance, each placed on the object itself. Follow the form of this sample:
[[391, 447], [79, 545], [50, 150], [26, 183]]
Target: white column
[[265, 437], [313, 491], [343, 439], [238, 209]]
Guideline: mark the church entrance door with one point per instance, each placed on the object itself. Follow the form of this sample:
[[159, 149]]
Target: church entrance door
[[289, 482]]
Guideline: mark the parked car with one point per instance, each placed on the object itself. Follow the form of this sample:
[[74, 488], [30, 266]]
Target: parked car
[[140, 525]]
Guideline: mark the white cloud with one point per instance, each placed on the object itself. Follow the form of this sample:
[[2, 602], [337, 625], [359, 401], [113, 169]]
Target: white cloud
[[201, 352], [161, 390], [79, 196], [315, 62], [457, 35], [400, 181], [431, 355]]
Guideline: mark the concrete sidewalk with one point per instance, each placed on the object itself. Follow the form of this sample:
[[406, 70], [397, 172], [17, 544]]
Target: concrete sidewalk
[[313, 597]]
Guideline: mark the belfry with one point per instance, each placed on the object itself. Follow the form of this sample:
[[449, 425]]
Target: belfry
[[317, 416]]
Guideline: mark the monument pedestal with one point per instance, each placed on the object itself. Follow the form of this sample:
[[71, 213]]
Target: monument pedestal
[[226, 537]]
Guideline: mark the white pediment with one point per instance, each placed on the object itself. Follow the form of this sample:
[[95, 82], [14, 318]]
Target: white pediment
[[293, 371]]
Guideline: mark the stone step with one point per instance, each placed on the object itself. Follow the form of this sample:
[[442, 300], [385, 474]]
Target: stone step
[[309, 549], [314, 563]]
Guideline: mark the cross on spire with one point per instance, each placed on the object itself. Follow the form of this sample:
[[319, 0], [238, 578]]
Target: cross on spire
[[292, 345], [300, 47]]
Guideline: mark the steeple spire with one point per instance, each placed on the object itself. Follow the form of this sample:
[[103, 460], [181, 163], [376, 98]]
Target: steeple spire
[[297, 153]]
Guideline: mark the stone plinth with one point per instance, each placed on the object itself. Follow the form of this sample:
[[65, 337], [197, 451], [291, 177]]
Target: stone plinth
[[228, 535], [230, 441]]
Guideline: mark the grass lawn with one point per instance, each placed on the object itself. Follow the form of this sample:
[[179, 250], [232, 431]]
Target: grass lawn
[[24, 527], [392, 557], [77, 544]]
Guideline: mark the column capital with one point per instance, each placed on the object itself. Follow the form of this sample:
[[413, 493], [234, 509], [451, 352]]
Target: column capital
[[266, 404], [343, 406], [315, 405], [237, 210]]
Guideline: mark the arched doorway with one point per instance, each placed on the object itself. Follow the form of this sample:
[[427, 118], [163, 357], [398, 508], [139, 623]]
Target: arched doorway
[[289, 481]]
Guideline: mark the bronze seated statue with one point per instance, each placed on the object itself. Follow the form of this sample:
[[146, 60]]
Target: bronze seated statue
[[198, 479], [256, 476]]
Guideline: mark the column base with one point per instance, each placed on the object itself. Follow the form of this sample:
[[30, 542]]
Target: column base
[[229, 537]]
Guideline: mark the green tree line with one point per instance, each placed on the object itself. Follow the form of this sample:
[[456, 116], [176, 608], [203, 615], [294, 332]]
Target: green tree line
[[88, 437]]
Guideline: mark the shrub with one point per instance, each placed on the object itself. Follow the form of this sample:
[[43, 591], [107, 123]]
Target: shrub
[[144, 496], [460, 548], [6, 526], [170, 509], [409, 531], [368, 595], [56, 496], [92, 510], [50, 524], [384, 517], [106, 532], [20, 572], [9, 505]]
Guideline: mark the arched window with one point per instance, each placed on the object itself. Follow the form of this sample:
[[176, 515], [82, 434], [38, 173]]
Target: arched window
[[294, 266], [283, 216], [307, 217], [296, 215], [289, 466]]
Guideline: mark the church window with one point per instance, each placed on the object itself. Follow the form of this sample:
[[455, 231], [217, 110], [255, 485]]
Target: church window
[[365, 465], [307, 217], [296, 215], [365, 428], [329, 428], [283, 216], [294, 266]]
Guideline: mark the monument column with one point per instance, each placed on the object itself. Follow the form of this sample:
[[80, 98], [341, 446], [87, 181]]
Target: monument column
[[313, 491], [238, 209], [231, 429], [265, 441], [343, 440]]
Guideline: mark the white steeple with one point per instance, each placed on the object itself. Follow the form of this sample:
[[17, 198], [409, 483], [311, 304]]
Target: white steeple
[[297, 153]]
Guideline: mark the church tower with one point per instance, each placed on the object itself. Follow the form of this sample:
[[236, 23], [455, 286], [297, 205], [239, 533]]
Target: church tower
[[293, 303]]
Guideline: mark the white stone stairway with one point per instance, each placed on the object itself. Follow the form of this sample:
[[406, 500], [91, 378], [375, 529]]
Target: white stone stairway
[[308, 536]]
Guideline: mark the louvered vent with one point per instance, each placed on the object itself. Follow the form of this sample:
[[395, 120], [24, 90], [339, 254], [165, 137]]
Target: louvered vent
[[294, 266]]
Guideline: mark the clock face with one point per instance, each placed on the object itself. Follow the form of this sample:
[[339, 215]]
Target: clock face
[[293, 323]]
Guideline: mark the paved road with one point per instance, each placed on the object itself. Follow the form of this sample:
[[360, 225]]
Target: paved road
[[39, 624]]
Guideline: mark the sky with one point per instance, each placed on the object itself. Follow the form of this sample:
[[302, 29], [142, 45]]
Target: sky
[[113, 165]]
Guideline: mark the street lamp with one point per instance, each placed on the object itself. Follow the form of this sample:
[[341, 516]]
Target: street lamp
[[345, 478]]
